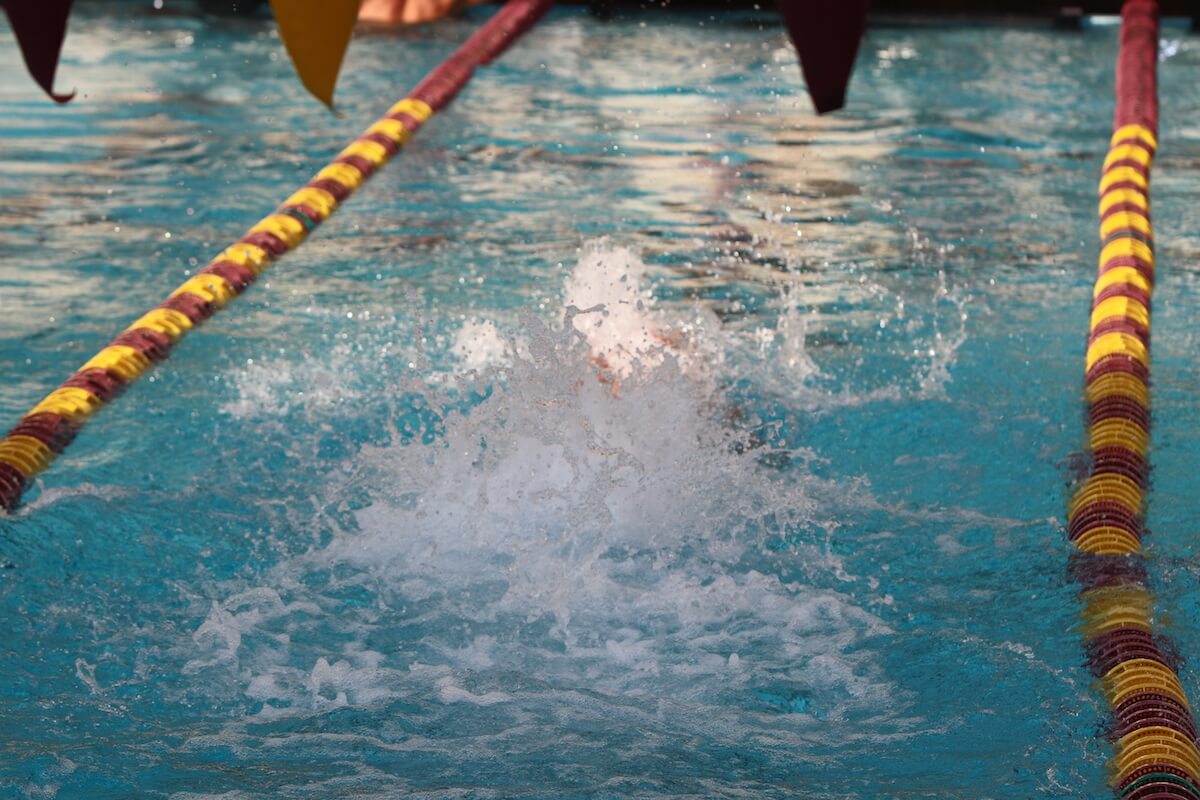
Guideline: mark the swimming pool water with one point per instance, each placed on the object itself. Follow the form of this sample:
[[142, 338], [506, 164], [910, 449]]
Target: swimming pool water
[[377, 530]]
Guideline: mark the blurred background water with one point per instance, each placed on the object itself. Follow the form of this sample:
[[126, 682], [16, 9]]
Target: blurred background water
[[377, 530]]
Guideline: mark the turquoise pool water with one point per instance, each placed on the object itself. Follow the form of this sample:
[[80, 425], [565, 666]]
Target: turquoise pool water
[[377, 530]]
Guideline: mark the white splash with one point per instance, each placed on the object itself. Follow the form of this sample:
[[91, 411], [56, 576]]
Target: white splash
[[572, 535], [607, 300], [277, 387], [478, 345], [942, 351], [620, 323]]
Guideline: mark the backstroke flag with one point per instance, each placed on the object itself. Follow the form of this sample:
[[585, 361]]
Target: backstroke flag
[[826, 34], [316, 34], [40, 26]]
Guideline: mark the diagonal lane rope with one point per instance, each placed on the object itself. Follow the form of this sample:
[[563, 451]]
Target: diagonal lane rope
[[50, 426]]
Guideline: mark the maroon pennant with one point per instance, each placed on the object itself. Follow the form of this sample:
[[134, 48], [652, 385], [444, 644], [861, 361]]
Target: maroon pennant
[[826, 34], [40, 27]]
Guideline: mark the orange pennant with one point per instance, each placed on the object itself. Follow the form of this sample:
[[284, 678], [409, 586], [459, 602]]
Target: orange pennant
[[316, 34]]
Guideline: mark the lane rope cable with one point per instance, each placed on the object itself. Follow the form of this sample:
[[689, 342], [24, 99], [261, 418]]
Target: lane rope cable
[[1153, 729], [50, 426]]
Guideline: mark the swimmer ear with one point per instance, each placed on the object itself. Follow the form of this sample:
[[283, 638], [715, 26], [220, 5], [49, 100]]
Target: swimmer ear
[[826, 34], [40, 28], [316, 34]]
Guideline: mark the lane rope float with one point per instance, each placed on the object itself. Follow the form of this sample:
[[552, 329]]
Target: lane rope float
[[1153, 731], [49, 427]]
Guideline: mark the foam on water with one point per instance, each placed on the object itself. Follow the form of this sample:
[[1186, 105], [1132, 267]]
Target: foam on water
[[478, 345], [272, 389], [568, 550]]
